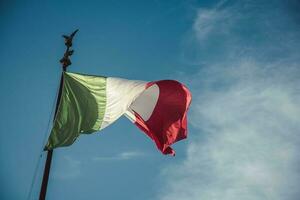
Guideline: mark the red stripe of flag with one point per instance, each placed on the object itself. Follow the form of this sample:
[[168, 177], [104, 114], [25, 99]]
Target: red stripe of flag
[[168, 122]]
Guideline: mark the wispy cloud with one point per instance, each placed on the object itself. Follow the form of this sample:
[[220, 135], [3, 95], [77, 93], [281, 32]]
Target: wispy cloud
[[249, 138], [212, 21], [119, 157], [245, 110], [70, 168]]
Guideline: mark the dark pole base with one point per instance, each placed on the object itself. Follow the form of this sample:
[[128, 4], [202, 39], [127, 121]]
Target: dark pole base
[[46, 175]]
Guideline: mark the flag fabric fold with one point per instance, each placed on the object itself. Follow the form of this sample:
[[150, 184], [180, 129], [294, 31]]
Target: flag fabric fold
[[91, 103]]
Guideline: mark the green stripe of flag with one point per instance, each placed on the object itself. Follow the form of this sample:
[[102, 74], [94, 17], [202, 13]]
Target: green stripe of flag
[[81, 109]]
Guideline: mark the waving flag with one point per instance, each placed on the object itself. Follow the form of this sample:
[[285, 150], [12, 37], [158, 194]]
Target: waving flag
[[91, 103]]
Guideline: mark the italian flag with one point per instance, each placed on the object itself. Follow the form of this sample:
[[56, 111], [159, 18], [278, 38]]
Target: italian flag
[[91, 103]]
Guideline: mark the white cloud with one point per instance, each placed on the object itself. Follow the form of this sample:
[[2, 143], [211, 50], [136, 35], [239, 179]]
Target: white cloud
[[211, 21], [70, 169], [248, 138], [247, 116], [122, 156]]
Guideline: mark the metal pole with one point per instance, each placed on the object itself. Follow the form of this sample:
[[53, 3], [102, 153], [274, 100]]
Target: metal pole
[[46, 175], [49, 152], [65, 61]]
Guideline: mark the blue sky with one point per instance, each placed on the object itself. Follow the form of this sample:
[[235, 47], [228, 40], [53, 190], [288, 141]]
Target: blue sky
[[239, 58]]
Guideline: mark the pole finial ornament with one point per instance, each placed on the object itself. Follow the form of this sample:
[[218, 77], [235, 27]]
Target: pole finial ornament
[[65, 61]]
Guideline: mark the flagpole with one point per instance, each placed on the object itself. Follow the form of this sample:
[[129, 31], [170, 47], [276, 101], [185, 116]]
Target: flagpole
[[65, 61]]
